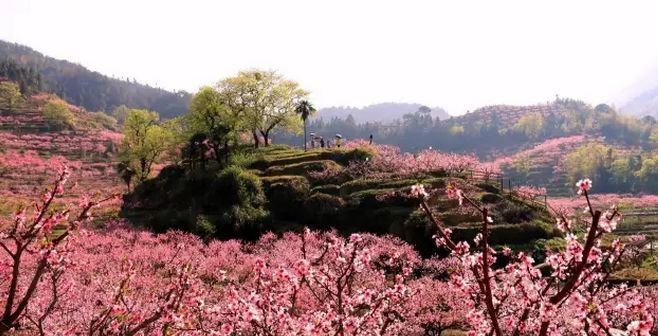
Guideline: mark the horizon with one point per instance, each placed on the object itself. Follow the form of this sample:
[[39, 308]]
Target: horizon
[[361, 54]]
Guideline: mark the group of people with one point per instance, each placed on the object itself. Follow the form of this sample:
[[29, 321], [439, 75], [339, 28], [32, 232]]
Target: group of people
[[318, 140], [315, 140]]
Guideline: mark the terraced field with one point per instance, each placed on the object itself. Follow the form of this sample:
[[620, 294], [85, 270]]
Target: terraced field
[[31, 154], [378, 205]]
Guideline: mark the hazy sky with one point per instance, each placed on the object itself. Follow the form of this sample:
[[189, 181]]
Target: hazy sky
[[455, 54]]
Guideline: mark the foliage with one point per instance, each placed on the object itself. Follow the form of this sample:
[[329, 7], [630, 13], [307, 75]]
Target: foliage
[[287, 198], [322, 210], [82, 87], [58, 115], [144, 141], [262, 102], [232, 200], [517, 299], [531, 125], [10, 96]]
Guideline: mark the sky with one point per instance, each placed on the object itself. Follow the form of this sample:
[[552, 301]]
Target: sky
[[459, 55]]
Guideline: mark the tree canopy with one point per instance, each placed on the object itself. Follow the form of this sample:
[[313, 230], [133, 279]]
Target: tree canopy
[[144, 141]]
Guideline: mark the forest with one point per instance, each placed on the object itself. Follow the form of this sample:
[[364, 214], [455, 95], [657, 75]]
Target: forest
[[34, 71]]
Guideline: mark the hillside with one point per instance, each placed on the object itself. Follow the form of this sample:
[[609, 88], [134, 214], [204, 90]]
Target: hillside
[[507, 114], [320, 189], [90, 89], [644, 104], [32, 151], [383, 112]]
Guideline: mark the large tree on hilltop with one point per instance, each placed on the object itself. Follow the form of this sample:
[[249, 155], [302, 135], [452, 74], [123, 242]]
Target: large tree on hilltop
[[262, 101]]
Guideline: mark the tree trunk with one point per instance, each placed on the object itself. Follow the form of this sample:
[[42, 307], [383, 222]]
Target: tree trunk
[[266, 137], [256, 140], [305, 148]]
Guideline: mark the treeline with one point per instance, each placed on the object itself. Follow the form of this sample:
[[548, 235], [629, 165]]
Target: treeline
[[80, 86], [614, 171], [488, 134]]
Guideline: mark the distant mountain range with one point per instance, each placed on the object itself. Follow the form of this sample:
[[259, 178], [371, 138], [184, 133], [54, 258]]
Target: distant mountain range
[[384, 112], [645, 104], [90, 89]]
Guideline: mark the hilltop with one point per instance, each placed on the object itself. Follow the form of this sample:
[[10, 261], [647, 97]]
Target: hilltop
[[83, 87]]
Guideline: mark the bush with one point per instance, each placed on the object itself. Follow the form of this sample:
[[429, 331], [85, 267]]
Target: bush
[[269, 180], [488, 187], [515, 213], [359, 185], [330, 189], [286, 198], [58, 116], [322, 210], [237, 187], [227, 204], [345, 156], [203, 227], [490, 198], [302, 168]]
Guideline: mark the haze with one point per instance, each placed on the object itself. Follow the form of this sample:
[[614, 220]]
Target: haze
[[459, 55]]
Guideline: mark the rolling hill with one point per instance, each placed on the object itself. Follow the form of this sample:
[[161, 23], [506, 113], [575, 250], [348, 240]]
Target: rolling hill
[[89, 89], [383, 112]]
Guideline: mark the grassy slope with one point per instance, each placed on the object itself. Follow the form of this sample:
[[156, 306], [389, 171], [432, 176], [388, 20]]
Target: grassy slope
[[365, 210]]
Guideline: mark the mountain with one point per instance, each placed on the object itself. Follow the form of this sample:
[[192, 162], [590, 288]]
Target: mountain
[[81, 86], [645, 104], [384, 112]]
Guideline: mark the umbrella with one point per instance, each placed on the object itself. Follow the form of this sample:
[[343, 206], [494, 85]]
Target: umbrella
[[339, 136]]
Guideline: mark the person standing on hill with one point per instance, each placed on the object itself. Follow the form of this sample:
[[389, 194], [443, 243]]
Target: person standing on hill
[[371, 139], [322, 142]]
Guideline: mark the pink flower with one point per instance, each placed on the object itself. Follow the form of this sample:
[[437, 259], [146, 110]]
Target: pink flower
[[418, 191], [584, 185]]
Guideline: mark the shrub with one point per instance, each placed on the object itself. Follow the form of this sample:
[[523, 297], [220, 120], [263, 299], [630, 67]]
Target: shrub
[[269, 180], [515, 213], [359, 185], [322, 210], [490, 198], [345, 156], [235, 186], [203, 227], [302, 168], [58, 116], [488, 187], [286, 198], [231, 201], [330, 189]]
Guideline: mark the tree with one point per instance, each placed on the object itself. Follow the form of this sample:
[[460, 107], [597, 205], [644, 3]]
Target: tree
[[120, 113], [10, 96], [532, 125], [519, 300], [58, 115], [144, 141], [209, 115], [304, 109], [262, 101]]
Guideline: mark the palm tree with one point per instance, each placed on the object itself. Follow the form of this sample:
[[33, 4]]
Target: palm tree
[[305, 110]]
